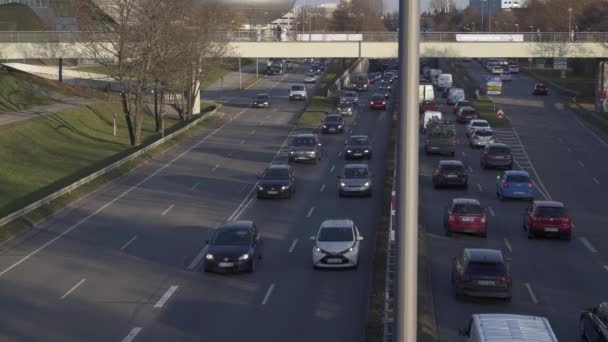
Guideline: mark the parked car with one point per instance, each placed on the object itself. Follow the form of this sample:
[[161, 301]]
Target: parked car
[[497, 155], [261, 101], [333, 123], [277, 181], [540, 89], [356, 180], [440, 137], [594, 323], [357, 147], [480, 272], [465, 215], [548, 218], [378, 101], [450, 172], [234, 246], [336, 245], [305, 147], [466, 114], [515, 184], [345, 108]]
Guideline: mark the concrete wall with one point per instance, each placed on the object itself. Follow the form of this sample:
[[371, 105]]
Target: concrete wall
[[343, 82]]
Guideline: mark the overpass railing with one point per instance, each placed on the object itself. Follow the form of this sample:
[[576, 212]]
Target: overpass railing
[[271, 36]]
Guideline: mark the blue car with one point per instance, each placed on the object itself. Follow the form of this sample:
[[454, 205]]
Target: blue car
[[515, 184]]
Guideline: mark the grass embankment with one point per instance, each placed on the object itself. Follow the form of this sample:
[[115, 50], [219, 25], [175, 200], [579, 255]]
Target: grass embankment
[[97, 69], [13, 96], [581, 86], [45, 154], [334, 70]]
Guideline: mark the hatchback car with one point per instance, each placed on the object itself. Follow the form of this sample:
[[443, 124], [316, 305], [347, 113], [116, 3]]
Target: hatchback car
[[356, 180], [310, 78], [540, 89], [481, 138], [345, 108], [337, 245], [450, 172], [460, 104], [305, 147], [515, 184], [333, 123], [480, 272], [234, 246], [427, 105], [496, 70], [594, 323], [278, 180], [261, 101], [466, 114], [464, 215], [513, 68], [357, 147], [378, 101], [547, 218], [349, 97], [477, 124], [496, 155]]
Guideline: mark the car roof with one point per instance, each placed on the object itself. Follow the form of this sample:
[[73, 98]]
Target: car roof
[[337, 223], [356, 166], [517, 173], [359, 136], [499, 145], [465, 201], [297, 84], [463, 108], [432, 112], [262, 94], [278, 166], [243, 224], [477, 120], [334, 114], [553, 204], [305, 135], [378, 95], [505, 327], [451, 162], [483, 254]]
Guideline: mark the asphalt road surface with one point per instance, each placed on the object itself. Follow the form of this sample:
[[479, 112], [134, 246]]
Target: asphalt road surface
[[551, 278], [123, 264]]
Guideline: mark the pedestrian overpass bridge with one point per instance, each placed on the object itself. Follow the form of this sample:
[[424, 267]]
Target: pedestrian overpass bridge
[[252, 44]]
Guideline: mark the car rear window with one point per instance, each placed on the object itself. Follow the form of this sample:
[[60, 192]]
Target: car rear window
[[356, 172], [518, 179], [310, 75], [336, 234], [297, 87], [233, 237], [480, 124], [550, 212], [468, 112], [276, 174], [452, 167], [492, 269], [333, 118], [441, 131], [499, 150], [303, 141], [344, 105], [463, 103], [466, 208], [483, 133]]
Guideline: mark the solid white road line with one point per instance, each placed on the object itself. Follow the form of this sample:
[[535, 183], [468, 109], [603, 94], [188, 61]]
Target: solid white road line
[[491, 211], [73, 288], [606, 268], [596, 181], [167, 210], [333, 167], [166, 296], [215, 167], [195, 185], [128, 243], [588, 244], [197, 259], [132, 334], [312, 209], [293, 245], [243, 209], [322, 188], [581, 163], [508, 244], [268, 294], [479, 187], [531, 293]]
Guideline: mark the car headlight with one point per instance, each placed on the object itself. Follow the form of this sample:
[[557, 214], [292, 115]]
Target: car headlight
[[339, 126], [349, 151], [244, 257], [312, 153], [209, 256], [366, 184], [285, 187], [342, 184], [260, 187], [317, 249], [324, 126], [365, 151], [292, 152]]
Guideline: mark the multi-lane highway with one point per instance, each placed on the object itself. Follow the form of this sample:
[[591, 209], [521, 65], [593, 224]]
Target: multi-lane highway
[[551, 278], [123, 264]]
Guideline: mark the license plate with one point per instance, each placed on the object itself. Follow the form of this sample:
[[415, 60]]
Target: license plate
[[273, 192], [332, 129], [226, 264], [520, 193], [467, 219], [486, 282], [301, 158], [334, 261], [358, 154], [551, 229], [452, 176]]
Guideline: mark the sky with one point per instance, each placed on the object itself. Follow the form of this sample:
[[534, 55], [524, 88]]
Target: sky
[[389, 5]]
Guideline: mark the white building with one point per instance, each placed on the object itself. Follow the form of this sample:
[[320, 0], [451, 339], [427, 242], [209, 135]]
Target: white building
[[287, 21], [508, 4]]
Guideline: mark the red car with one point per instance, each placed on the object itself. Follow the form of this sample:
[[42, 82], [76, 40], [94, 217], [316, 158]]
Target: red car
[[465, 215], [378, 101], [547, 218], [428, 105]]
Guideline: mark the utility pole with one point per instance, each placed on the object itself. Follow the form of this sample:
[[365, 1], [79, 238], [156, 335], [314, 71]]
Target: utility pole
[[407, 172], [570, 23], [483, 5]]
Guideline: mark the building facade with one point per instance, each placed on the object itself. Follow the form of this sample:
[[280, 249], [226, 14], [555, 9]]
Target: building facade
[[487, 7]]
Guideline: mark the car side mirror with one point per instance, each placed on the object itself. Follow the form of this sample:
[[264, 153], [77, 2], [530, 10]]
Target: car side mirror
[[360, 238], [312, 238], [508, 259], [319, 144]]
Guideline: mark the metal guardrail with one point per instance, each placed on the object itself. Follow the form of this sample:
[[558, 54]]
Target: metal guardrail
[[270, 36]]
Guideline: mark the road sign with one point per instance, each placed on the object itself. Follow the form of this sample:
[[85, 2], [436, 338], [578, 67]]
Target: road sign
[[493, 79], [560, 63], [500, 114]]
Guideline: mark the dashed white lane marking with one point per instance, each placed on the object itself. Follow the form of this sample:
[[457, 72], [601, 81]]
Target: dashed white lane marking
[[242, 141], [132, 334], [531, 293], [470, 169], [606, 268], [270, 289], [252, 132], [73, 288], [581, 163], [312, 209], [588, 244], [215, 167], [479, 187], [167, 210], [166, 296], [128, 243], [339, 154], [333, 167], [195, 185], [508, 244], [322, 188], [491, 211], [596, 181], [293, 245]]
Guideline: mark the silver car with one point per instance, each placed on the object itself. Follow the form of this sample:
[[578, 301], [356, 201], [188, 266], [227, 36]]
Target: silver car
[[345, 108], [356, 180], [349, 97], [336, 245], [310, 78], [481, 138]]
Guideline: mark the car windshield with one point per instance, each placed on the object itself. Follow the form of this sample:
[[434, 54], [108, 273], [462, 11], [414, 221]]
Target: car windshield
[[378, 98], [499, 150], [232, 237], [349, 95], [483, 133], [297, 87], [336, 234], [480, 124], [469, 112], [550, 212], [333, 119], [452, 167], [492, 269], [344, 106], [518, 179], [466, 208], [303, 141], [359, 141], [540, 86], [272, 174], [355, 172], [262, 97], [463, 103], [310, 75]]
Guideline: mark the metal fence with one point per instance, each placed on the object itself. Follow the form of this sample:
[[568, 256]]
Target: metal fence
[[272, 36]]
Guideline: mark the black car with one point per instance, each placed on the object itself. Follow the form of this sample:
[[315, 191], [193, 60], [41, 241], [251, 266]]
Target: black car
[[384, 90], [278, 180], [315, 69], [261, 101], [234, 246], [358, 147], [450, 172], [305, 147], [497, 155], [540, 89], [594, 323], [333, 123], [386, 82], [481, 273]]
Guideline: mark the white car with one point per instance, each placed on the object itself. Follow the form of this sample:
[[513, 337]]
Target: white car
[[496, 70], [477, 124], [297, 92], [336, 245], [506, 76], [428, 116], [513, 68], [310, 78], [481, 138]]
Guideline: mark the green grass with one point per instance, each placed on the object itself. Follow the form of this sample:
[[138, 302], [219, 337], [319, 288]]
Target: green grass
[[227, 66], [334, 70], [310, 118], [97, 69], [581, 86], [14, 97], [485, 107], [43, 155]]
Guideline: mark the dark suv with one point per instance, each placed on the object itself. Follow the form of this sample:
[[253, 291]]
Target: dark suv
[[481, 273], [361, 83], [540, 89], [497, 155], [305, 147], [450, 172], [440, 137], [278, 180], [333, 123], [358, 147]]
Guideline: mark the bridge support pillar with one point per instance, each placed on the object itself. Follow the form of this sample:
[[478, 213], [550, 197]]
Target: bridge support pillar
[[60, 78], [196, 101], [601, 104]]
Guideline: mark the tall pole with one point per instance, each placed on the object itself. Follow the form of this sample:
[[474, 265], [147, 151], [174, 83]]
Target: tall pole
[[570, 22], [483, 5], [407, 171]]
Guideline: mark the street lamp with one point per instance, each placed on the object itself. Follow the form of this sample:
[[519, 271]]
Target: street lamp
[[516, 27], [531, 28], [569, 20]]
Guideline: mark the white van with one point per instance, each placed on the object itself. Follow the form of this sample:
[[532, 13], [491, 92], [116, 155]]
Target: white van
[[444, 81], [455, 95], [425, 92], [297, 92], [508, 327], [427, 117], [433, 74]]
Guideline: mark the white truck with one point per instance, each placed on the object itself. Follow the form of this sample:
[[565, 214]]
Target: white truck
[[508, 328], [425, 92]]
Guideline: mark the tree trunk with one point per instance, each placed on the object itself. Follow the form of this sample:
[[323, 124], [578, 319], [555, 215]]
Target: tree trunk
[[138, 118], [157, 113], [127, 112]]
